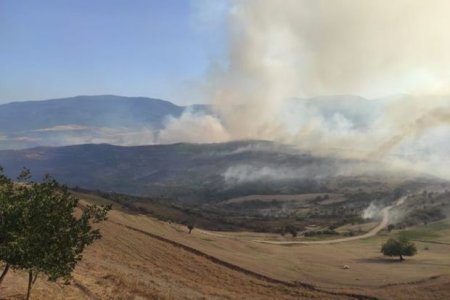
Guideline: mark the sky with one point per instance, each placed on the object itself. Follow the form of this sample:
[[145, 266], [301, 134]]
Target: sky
[[53, 48]]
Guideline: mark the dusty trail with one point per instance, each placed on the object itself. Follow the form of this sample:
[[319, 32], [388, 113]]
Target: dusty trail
[[374, 231]]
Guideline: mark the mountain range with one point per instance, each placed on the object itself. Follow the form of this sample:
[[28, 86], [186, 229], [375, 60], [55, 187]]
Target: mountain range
[[84, 119], [131, 121], [107, 143]]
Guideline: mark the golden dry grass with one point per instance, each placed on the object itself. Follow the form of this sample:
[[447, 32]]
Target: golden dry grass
[[127, 264], [130, 263]]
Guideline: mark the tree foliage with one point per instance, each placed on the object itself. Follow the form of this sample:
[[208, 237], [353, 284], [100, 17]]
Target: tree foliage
[[291, 229], [399, 247], [190, 227], [41, 230], [390, 227]]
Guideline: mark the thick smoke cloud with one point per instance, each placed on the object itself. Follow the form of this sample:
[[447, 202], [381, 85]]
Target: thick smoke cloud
[[283, 51], [369, 48], [193, 128], [304, 48], [284, 57]]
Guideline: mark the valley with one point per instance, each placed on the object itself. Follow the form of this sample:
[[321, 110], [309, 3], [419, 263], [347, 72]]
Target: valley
[[139, 254], [313, 234], [227, 186]]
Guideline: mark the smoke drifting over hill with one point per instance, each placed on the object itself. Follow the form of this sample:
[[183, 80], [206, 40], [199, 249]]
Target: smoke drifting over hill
[[295, 49], [194, 128]]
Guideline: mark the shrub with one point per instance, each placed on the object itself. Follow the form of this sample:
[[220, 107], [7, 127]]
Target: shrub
[[399, 247]]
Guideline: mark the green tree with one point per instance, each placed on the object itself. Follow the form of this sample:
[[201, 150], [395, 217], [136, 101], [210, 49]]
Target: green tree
[[9, 224], [49, 235], [190, 226], [390, 227], [291, 229], [399, 247]]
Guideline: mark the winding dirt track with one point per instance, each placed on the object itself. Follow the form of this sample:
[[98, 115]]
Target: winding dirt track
[[374, 231]]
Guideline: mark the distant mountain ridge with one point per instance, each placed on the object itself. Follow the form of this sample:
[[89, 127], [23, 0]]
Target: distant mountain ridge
[[86, 111], [82, 119], [130, 121]]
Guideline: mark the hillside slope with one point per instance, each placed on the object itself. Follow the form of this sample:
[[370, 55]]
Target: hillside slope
[[130, 264], [194, 172], [181, 169], [142, 258]]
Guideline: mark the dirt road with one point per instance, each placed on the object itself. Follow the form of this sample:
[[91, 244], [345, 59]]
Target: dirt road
[[374, 231]]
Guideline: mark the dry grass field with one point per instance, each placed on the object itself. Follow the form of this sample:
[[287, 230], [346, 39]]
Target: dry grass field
[[143, 258]]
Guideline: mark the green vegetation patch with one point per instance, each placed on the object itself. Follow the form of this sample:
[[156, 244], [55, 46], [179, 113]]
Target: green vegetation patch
[[430, 231], [415, 234]]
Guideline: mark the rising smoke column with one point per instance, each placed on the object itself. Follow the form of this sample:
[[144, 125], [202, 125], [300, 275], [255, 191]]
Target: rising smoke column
[[281, 50], [295, 48]]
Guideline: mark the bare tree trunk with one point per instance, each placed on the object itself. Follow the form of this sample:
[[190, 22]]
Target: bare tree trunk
[[4, 273], [35, 277], [30, 282]]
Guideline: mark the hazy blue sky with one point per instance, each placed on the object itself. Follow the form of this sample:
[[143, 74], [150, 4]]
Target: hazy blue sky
[[54, 48]]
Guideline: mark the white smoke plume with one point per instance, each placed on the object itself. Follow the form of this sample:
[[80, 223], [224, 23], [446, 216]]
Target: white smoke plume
[[249, 173], [193, 128], [280, 51], [283, 55], [306, 48], [372, 211]]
